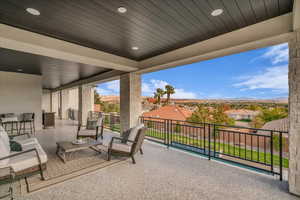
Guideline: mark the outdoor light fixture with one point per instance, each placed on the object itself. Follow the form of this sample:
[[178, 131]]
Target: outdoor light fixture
[[33, 11], [216, 12], [135, 48], [122, 10]]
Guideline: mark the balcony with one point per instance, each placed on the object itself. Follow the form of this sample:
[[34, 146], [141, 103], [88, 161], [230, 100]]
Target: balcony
[[161, 173]]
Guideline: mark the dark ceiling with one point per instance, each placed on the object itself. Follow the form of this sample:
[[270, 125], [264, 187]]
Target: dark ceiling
[[55, 72], [155, 26]]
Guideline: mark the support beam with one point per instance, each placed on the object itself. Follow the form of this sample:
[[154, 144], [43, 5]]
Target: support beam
[[130, 100], [29, 42], [245, 39], [294, 114], [103, 77], [64, 104], [85, 103], [296, 15]]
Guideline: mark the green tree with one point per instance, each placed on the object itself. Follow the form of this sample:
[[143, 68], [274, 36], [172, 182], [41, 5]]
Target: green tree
[[97, 98], [169, 90], [158, 95], [269, 114], [220, 117], [201, 115], [216, 115]]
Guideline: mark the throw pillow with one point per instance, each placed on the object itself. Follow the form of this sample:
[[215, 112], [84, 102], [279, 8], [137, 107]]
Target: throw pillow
[[15, 146]]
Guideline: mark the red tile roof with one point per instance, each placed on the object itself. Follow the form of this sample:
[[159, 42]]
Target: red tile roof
[[169, 112]]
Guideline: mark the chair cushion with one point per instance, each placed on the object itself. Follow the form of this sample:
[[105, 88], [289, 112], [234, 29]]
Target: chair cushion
[[86, 132], [121, 147], [134, 132], [4, 137], [28, 160], [3, 153]]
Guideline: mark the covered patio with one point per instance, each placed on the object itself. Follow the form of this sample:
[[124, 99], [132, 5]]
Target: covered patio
[[52, 55]]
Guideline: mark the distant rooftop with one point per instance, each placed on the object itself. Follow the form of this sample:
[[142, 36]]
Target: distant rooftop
[[169, 112]]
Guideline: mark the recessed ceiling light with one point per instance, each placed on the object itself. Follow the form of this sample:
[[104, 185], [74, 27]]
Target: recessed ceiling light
[[216, 12], [122, 10], [135, 48], [20, 70], [33, 11]]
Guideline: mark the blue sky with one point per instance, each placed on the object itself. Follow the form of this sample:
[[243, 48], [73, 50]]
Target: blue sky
[[259, 74]]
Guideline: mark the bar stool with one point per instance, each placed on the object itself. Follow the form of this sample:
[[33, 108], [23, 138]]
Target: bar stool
[[9, 121], [27, 119]]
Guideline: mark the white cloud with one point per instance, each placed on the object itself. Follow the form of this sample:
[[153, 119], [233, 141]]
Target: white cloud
[[113, 86], [109, 88], [182, 94], [275, 78], [277, 54], [148, 88]]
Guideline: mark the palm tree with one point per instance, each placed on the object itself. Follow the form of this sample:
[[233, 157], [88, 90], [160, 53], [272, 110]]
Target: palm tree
[[169, 90], [158, 95]]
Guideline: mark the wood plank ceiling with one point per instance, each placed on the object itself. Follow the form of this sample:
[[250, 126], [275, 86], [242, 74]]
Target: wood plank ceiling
[[155, 26], [55, 72]]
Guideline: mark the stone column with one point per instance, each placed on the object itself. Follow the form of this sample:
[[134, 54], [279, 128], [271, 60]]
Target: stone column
[[64, 104], [51, 101], [294, 114], [130, 100], [85, 103]]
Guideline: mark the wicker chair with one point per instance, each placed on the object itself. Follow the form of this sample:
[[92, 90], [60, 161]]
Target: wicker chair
[[127, 147]]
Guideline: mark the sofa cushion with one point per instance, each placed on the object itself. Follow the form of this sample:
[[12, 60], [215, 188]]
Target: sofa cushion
[[28, 160], [3, 153], [4, 137], [134, 132], [26, 141]]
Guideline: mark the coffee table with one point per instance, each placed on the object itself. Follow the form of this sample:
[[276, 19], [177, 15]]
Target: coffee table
[[66, 148]]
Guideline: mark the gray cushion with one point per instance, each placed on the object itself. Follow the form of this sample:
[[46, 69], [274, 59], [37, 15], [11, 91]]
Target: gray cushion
[[134, 132]]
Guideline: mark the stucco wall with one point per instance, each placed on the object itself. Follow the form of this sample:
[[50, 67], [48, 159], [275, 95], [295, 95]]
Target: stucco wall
[[21, 93]]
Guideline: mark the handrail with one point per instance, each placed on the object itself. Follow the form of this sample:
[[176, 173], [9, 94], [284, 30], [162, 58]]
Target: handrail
[[224, 125]]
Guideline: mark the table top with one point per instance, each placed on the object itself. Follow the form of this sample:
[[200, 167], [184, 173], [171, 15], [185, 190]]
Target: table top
[[68, 146]]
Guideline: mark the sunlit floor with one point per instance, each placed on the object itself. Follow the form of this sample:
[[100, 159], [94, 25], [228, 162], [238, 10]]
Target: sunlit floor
[[163, 173]]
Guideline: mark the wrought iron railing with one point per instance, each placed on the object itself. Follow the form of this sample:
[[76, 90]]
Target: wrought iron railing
[[260, 149]]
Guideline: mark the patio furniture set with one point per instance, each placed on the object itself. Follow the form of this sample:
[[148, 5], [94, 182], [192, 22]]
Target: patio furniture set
[[32, 158]]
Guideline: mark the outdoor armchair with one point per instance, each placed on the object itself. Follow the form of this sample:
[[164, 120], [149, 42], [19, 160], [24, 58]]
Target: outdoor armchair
[[127, 147], [83, 131]]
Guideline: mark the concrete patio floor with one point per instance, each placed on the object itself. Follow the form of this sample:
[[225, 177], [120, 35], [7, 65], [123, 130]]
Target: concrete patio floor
[[162, 173]]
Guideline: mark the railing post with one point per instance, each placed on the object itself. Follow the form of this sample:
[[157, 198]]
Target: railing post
[[209, 126], [271, 149], [280, 155], [169, 124], [214, 131]]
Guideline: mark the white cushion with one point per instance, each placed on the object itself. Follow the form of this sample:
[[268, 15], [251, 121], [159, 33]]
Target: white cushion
[[27, 141], [121, 147], [3, 153], [28, 160], [134, 132], [4, 138]]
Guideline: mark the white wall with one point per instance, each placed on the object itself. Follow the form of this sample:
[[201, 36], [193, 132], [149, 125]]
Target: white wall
[[46, 101], [21, 93]]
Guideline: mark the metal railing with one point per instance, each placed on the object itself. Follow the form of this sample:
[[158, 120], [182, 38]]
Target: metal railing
[[112, 121], [260, 149]]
